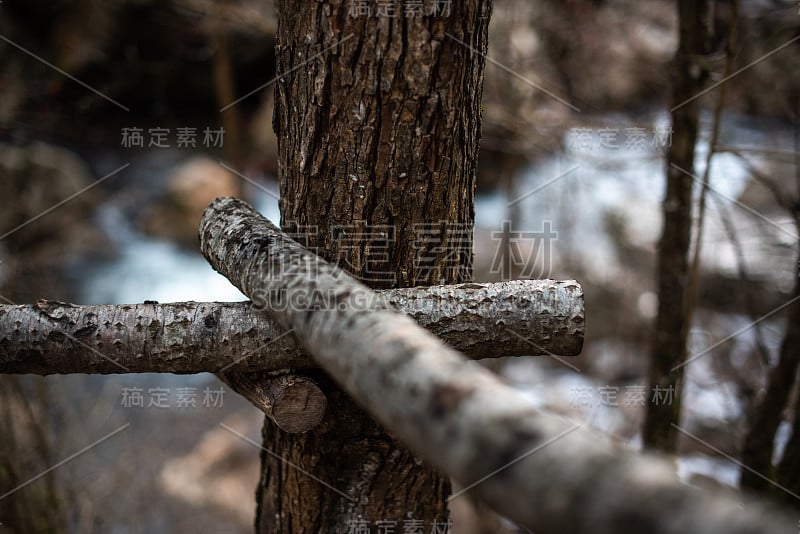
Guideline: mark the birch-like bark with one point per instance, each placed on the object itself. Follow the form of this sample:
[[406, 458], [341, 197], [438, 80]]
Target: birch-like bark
[[523, 317], [246, 349], [538, 469]]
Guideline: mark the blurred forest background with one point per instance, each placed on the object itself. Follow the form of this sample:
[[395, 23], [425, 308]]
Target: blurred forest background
[[572, 172]]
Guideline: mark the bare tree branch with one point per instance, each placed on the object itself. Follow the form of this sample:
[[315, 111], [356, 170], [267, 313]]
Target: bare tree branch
[[483, 320]]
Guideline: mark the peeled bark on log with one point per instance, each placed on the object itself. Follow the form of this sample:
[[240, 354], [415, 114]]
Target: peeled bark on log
[[535, 468], [482, 320]]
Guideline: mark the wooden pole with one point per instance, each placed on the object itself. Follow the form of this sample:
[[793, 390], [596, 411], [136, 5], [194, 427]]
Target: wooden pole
[[481, 320], [249, 353]]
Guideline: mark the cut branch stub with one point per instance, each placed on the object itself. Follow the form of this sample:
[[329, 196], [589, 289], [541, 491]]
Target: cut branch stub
[[535, 468], [294, 403]]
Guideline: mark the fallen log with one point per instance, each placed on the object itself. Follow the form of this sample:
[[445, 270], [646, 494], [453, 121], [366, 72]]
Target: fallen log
[[533, 467]]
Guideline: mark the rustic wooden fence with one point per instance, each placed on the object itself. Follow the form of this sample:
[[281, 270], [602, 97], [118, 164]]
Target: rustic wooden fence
[[396, 353]]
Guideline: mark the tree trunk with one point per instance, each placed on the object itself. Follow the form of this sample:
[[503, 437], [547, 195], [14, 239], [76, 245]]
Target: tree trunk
[[788, 471], [377, 119], [765, 419], [669, 345], [759, 442]]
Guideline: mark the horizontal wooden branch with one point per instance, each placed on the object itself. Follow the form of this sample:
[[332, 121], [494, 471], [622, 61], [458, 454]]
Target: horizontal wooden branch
[[540, 470], [484, 320]]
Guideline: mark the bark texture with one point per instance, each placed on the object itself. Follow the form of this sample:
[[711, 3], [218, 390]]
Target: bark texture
[[378, 121], [536, 468], [516, 318], [671, 329], [247, 350], [378, 132]]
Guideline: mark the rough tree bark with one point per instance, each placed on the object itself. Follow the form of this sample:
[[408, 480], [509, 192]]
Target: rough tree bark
[[538, 469], [250, 354], [480, 320], [671, 329], [377, 120], [381, 135]]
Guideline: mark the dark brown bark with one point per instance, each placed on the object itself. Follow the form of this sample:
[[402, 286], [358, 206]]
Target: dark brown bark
[[671, 329], [759, 442], [379, 134], [378, 123], [537, 468], [788, 471], [225, 89]]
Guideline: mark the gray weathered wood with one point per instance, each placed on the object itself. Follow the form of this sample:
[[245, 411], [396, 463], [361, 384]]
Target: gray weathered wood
[[483, 320], [536, 468]]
